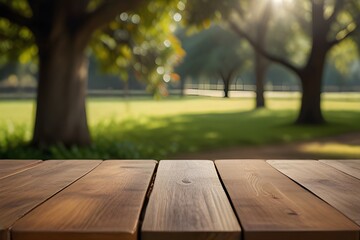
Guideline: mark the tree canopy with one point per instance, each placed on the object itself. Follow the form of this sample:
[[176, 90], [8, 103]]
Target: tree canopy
[[143, 44]]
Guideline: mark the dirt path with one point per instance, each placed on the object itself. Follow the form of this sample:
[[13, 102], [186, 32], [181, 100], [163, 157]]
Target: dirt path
[[283, 151]]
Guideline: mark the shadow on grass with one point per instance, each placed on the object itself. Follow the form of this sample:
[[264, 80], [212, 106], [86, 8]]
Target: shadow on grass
[[163, 137], [199, 132]]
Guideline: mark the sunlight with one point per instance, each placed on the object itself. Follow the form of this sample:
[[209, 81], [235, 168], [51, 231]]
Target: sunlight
[[332, 149], [281, 2], [278, 2]]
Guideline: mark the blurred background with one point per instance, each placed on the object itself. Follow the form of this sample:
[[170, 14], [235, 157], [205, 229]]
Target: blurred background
[[179, 79]]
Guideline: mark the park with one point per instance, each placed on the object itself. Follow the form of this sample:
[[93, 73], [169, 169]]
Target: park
[[146, 128], [179, 119]]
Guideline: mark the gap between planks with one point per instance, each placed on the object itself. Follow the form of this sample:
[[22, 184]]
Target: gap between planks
[[11, 167], [106, 204], [338, 189], [189, 202], [17, 195], [270, 205]]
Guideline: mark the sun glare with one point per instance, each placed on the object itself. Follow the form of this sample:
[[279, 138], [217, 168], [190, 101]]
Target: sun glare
[[280, 2]]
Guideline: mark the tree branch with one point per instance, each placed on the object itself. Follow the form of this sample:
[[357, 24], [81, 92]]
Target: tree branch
[[107, 12], [238, 13], [263, 21], [233, 71], [14, 17], [347, 35], [222, 75], [262, 51]]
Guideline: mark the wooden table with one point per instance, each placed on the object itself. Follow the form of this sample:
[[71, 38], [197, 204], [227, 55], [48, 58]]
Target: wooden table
[[174, 199]]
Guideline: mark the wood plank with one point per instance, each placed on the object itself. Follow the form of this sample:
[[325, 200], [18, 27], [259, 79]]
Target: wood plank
[[351, 167], [188, 202], [11, 167], [271, 206], [22, 192], [336, 188], [105, 204]]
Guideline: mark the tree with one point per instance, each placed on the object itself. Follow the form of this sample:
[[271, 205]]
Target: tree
[[214, 52], [255, 17], [330, 23], [58, 32]]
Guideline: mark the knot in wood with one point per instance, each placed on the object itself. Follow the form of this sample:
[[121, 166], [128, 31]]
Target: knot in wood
[[186, 181]]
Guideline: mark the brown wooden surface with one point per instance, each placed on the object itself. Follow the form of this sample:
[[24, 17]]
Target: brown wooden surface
[[188, 202], [338, 189], [271, 206], [351, 167], [11, 167], [22, 192], [105, 204]]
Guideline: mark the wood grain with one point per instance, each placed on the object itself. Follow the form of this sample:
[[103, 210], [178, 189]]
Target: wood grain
[[22, 192], [336, 188], [188, 202], [105, 204], [11, 167], [271, 206], [351, 167]]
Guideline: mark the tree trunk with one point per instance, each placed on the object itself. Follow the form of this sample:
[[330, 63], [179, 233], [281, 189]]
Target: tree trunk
[[310, 112], [227, 79], [261, 63], [311, 76], [182, 87], [260, 73], [60, 112], [226, 87]]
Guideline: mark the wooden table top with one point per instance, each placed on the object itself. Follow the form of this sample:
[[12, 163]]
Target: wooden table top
[[178, 199]]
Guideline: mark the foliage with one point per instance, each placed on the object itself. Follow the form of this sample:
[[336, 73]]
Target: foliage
[[343, 55], [197, 14], [142, 44], [140, 41], [16, 42]]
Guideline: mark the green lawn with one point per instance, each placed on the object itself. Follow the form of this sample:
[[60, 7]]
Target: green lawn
[[146, 128]]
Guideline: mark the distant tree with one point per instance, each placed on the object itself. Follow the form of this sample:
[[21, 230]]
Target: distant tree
[[326, 23], [58, 32], [255, 16], [214, 52]]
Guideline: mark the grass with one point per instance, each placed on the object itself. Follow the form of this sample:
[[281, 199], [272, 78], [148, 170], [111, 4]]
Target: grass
[[146, 128]]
